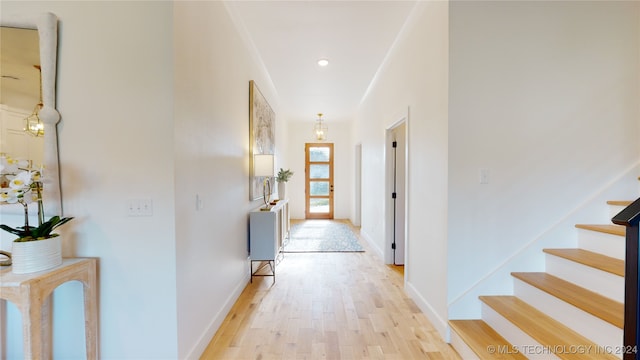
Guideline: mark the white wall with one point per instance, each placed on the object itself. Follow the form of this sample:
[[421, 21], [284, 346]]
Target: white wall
[[212, 72], [116, 143], [300, 132], [558, 89], [414, 76], [544, 95], [166, 281]]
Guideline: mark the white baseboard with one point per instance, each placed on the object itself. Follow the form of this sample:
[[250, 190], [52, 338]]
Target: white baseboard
[[374, 246], [438, 322], [204, 340]]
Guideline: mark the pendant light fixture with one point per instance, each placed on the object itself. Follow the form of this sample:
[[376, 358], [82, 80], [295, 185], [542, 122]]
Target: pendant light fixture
[[33, 125], [320, 129]]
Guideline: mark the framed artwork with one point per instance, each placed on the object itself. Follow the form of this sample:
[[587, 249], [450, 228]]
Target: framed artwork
[[262, 121]]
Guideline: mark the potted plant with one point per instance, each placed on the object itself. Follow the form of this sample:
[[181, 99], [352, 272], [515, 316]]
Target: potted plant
[[282, 178], [36, 247]]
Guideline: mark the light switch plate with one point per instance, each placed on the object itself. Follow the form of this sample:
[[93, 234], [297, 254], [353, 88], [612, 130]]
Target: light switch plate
[[140, 207], [484, 176]]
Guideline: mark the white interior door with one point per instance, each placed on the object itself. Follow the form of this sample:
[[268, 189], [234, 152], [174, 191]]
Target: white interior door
[[400, 170]]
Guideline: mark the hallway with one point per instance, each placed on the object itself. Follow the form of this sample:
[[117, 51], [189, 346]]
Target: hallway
[[329, 306]]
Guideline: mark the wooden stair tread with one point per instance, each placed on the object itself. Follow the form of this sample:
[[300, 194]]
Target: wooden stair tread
[[479, 336], [541, 327], [592, 259], [608, 229], [619, 202], [593, 303]]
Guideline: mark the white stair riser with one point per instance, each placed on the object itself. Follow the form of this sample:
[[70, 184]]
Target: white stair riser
[[513, 334], [587, 325], [602, 243], [601, 282], [461, 347]]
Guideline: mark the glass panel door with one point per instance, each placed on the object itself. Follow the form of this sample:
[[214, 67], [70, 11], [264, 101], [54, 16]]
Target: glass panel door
[[319, 181]]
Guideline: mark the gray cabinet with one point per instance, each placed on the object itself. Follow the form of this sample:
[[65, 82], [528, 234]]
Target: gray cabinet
[[268, 233]]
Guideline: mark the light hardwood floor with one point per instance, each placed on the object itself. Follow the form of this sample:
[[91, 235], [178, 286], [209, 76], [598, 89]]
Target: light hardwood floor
[[328, 306]]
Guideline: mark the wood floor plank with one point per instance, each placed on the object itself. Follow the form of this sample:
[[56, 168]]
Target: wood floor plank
[[328, 306], [588, 258], [593, 303]]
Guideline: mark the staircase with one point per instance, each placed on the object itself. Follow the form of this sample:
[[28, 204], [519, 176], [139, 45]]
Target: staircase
[[574, 310]]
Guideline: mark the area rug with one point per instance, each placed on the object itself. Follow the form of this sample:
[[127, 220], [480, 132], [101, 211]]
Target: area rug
[[322, 236]]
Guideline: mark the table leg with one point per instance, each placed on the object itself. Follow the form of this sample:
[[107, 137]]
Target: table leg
[[91, 313], [3, 328], [31, 327], [45, 328]]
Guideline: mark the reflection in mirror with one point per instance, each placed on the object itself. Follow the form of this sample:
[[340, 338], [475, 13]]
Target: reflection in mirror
[[21, 130], [28, 51]]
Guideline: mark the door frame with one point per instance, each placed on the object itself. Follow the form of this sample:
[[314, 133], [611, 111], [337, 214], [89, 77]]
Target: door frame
[[357, 211], [307, 196], [402, 118]]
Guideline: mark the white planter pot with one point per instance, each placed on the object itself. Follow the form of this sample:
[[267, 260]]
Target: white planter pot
[[282, 190], [33, 256]]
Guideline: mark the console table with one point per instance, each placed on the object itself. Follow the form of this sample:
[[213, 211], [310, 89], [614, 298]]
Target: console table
[[31, 295], [268, 232]]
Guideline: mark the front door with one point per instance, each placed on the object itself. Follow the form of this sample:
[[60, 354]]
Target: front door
[[319, 181]]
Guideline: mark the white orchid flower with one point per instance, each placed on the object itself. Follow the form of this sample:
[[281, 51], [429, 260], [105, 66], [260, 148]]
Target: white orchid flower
[[10, 196], [21, 180], [4, 196], [9, 165]]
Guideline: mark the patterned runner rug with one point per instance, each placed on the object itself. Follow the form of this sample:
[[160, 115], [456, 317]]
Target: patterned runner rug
[[322, 236]]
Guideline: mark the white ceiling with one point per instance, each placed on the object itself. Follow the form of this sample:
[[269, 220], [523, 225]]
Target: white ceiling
[[290, 36]]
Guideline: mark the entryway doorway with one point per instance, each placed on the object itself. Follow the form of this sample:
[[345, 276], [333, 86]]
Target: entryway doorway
[[396, 175], [357, 216], [319, 180]]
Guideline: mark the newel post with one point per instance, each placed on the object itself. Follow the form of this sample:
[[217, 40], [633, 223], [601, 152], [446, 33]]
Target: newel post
[[630, 217]]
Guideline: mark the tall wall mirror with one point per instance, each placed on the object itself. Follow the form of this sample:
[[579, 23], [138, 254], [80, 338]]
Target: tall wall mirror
[[28, 115]]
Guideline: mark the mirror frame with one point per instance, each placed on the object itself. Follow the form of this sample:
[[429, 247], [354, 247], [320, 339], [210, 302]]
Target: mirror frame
[[47, 26]]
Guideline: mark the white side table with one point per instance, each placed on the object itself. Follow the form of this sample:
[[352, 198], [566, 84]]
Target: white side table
[[268, 233]]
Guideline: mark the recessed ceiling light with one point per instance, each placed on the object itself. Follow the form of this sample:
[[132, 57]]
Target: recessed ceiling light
[[323, 62]]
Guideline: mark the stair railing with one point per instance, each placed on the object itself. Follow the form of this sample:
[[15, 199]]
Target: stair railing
[[630, 217]]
